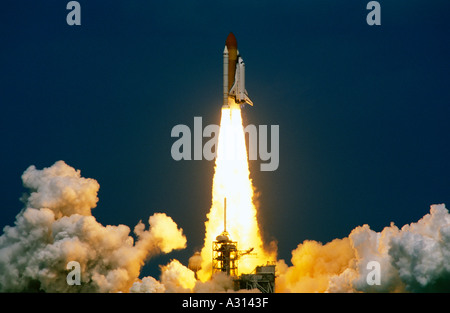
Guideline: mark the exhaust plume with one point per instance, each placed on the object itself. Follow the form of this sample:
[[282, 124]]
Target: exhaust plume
[[232, 181]]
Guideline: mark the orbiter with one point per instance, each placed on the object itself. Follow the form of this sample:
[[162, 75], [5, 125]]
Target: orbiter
[[234, 93]]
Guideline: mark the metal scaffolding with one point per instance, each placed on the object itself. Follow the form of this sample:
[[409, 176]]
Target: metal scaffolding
[[225, 255], [262, 278]]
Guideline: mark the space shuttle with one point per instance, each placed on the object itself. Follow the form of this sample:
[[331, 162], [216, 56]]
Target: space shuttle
[[234, 93]]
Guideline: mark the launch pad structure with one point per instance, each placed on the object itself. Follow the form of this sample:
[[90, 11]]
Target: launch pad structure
[[225, 257], [262, 278]]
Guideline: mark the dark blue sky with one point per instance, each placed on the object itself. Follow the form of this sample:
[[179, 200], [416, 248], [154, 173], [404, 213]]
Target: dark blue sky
[[363, 111]]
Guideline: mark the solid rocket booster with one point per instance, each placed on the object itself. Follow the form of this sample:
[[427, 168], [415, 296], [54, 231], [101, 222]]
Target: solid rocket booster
[[234, 92]]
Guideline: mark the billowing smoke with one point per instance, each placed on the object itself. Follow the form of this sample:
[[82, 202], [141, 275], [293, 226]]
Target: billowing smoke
[[176, 277], [56, 227], [313, 264], [415, 258]]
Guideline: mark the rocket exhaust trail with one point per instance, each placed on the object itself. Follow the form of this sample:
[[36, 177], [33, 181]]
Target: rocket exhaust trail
[[232, 181]]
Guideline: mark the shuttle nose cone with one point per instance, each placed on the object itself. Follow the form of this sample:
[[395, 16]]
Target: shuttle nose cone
[[231, 41]]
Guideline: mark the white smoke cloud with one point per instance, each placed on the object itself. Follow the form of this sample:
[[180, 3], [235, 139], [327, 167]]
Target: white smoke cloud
[[415, 258], [61, 189], [147, 285], [56, 226]]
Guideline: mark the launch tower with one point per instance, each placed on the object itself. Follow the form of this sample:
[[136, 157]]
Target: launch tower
[[225, 258], [225, 254]]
